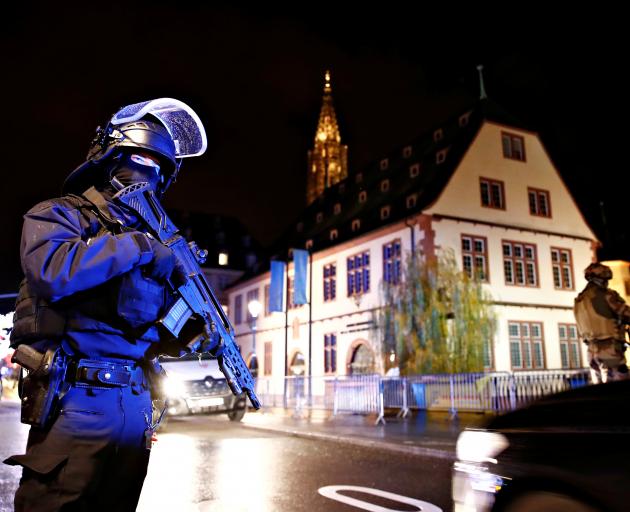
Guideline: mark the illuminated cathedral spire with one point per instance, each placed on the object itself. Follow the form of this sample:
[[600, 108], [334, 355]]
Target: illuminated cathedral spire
[[328, 160]]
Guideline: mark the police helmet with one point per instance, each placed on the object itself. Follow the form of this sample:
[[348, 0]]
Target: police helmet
[[597, 271], [165, 128]]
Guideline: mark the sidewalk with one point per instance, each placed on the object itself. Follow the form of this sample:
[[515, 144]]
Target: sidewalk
[[431, 434]]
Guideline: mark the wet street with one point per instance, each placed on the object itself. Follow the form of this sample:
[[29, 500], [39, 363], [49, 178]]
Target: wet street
[[205, 464], [12, 440]]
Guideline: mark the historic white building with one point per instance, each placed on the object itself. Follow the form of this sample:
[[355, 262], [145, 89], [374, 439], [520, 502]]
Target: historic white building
[[480, 184]]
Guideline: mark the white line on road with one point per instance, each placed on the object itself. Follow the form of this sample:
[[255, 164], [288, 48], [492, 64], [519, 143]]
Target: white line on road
[[332, 492]]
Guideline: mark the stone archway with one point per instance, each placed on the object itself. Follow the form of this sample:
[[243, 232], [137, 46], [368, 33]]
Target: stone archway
[[360, 359]]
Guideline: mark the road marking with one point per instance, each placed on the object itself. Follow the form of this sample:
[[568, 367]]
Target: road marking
[[332, 492]]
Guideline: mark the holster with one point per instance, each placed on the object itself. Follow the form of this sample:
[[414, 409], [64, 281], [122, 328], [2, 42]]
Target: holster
[[156, 377], [40, 387]]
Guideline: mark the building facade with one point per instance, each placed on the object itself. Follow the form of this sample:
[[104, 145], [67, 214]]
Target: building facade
[[482, 185]]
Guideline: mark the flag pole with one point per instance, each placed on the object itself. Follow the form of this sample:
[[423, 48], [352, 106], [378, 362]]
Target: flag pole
[[310, 327], [286, 335]]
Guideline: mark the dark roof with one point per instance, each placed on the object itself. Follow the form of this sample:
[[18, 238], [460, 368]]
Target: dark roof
[[457, 134], [450, 140]]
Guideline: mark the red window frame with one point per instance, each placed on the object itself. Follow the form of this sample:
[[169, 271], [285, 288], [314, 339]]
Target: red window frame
[[471, 253], [527, 343], [517, 258], [570, 346], [562, 268], [491, 200], [509, 143], [539, 202]]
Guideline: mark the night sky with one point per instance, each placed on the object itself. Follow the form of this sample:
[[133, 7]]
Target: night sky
[[255, 77]]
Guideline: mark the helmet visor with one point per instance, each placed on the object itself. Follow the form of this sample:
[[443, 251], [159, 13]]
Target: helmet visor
[[180, 120]]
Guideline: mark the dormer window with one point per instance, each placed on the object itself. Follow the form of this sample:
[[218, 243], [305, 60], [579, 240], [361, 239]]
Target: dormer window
[[337, 208], [513, 146], [362, 196], [333, 234], [463, 119], [319, 217], [407, 150], [412, 200], [385, 211], [438, 135], [441, 156], [384, 164], [356, 224], [414, 170], [385, 186]]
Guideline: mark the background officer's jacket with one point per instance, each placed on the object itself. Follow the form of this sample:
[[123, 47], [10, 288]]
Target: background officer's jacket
[[600, 313]]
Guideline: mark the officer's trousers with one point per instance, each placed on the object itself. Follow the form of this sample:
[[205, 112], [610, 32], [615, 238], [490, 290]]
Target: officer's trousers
[[607, 360], [92, 458]]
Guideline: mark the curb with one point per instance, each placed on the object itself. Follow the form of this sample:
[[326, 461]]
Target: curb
[[365, 443]]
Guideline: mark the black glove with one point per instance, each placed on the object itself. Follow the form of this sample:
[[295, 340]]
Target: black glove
[[163, 263]]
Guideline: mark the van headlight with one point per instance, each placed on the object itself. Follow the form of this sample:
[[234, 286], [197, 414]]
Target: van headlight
[[174, 386], [480, 446]]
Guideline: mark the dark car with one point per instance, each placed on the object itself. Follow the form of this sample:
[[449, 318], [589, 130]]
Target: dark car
[[195, 385], [566, 452]]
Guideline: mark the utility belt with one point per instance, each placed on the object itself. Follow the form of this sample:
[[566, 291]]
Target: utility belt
[[91, 373], [49, 376]]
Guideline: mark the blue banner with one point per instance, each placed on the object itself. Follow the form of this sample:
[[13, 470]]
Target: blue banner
[[276, 288], [300, 264]]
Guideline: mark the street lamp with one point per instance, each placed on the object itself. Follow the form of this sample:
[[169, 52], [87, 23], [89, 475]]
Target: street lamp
[[254, 307]]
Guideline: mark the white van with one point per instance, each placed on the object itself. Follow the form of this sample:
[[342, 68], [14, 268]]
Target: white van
[[195, 385]]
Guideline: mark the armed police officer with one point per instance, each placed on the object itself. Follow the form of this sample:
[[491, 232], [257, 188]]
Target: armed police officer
[[601, 315], [86, 316]]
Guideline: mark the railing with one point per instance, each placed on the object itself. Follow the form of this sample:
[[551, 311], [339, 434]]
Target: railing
[[372, 394]]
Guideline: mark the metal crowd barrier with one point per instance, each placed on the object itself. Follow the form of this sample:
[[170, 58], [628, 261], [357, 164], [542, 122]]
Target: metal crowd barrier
[[373, 394]]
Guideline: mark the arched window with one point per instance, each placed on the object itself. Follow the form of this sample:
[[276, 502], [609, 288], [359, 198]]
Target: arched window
[[361, 359]]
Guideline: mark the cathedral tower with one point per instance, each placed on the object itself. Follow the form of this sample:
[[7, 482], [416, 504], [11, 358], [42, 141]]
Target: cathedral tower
[[328, 160]]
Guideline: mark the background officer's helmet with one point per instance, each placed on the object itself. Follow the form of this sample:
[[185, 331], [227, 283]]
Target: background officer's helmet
[[597, 271]]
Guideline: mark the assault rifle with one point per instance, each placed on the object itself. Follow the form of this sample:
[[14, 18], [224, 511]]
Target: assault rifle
[[194, 299]]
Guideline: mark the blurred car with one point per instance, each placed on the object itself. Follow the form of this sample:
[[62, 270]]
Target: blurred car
[[195, 385], [566, 452]]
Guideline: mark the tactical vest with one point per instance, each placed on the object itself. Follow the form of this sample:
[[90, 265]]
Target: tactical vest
[[594, 317], [127, 305]]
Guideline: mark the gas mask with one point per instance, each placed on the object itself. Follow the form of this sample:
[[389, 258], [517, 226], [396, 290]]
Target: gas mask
[[137, 168]]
